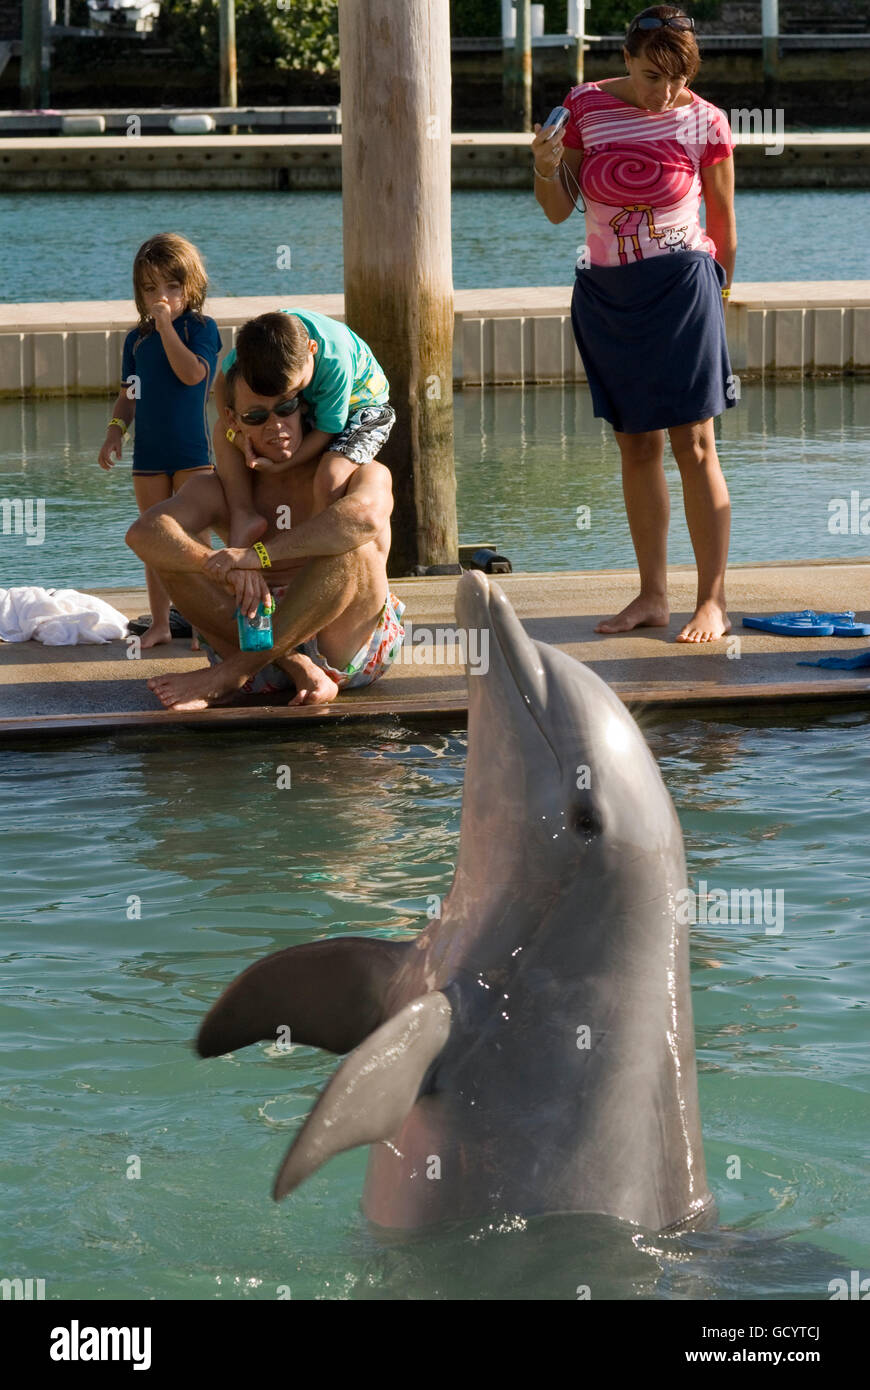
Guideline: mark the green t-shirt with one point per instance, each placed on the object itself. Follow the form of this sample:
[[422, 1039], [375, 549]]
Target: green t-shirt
[[346, 377]]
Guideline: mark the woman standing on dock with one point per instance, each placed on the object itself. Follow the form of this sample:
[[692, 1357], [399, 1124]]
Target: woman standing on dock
[[649, 300]]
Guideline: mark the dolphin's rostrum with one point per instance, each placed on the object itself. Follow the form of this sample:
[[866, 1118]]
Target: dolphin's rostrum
[[532, 1050]]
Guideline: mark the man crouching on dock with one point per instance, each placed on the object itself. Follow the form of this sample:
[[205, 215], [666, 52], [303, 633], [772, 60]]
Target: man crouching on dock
[[323, 556]]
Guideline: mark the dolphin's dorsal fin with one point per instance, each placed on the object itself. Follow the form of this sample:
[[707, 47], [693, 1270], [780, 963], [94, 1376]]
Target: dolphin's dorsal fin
[[329, 994], [372, 1091]]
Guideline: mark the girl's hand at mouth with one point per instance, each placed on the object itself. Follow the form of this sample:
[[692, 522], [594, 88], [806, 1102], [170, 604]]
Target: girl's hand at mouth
[[161, 314]]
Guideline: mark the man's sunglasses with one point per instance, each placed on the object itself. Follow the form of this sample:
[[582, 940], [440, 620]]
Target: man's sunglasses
[[258, 415], [651, 22]]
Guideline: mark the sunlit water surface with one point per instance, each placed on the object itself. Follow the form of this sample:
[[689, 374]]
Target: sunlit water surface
[[289, 244], [526, 460]]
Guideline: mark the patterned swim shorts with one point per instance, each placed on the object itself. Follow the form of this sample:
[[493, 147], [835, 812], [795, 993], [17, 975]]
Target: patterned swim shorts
[[370, 662], [365, 433]]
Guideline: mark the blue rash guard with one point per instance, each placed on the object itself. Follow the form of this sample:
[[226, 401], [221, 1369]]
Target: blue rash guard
[[171, 420]]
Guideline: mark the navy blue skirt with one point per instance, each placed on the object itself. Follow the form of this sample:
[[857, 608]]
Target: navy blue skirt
[[652, 338]]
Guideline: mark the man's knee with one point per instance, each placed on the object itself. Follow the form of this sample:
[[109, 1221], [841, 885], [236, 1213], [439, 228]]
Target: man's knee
[[197, 507], [140, 534]]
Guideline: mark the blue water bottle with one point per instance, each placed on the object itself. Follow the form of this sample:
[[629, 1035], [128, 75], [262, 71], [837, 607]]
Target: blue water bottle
[[255, 634]]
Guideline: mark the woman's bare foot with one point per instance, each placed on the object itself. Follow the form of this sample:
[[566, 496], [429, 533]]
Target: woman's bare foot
[[245, 528], [641, 612], [195, 689], [155, 637], [708, 622], [313, 685]]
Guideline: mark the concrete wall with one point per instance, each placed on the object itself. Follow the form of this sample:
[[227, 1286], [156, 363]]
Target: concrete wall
[[113, 163], [501, 336]]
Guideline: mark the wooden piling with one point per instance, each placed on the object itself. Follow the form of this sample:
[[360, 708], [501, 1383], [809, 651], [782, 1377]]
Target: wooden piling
[[398, 278], [32, 37], [227, 34], [524, 65], [517, 70], [770, 42], [577, 27]]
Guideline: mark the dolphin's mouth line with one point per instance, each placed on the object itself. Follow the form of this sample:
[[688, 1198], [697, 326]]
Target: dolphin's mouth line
[[510, 658]]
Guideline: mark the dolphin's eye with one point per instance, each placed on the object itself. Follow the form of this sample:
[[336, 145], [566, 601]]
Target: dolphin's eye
[[585, 821]]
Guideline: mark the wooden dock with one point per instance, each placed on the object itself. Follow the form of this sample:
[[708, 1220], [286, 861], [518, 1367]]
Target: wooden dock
[[93, 690]]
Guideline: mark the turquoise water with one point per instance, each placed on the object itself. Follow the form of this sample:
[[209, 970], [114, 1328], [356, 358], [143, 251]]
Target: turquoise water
[[98, 1009], [81, 245], [142, 874], [525, 461]]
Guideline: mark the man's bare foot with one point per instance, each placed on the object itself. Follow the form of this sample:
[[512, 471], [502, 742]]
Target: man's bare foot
[[641, 612], [313, 685], [155, 637], [708, 622], [245, 528], [194, 689]]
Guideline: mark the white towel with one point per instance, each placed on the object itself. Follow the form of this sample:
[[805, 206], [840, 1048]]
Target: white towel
[[58, 617]]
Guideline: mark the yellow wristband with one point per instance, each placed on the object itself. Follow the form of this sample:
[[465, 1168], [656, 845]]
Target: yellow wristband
[[260, 550], [120, 423], [726, 293]]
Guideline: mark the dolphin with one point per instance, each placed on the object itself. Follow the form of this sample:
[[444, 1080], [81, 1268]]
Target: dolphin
[[531, 1051]]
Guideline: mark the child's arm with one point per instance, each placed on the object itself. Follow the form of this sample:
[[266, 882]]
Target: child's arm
[[123, 409], [246, 523], [314, 442], [189, 368]]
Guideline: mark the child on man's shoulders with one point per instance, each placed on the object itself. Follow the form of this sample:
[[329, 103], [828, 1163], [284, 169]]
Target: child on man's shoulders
[[298, 353]]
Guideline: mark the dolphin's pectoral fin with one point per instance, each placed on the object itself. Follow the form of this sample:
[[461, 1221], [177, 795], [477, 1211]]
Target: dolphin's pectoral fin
[[372, 1091], [328, 994]]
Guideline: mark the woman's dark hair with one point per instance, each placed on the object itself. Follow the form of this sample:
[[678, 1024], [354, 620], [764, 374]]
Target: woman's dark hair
[[674, 51]]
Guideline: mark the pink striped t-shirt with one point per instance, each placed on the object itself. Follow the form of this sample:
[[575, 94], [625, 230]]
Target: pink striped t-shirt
[[640, 175]]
